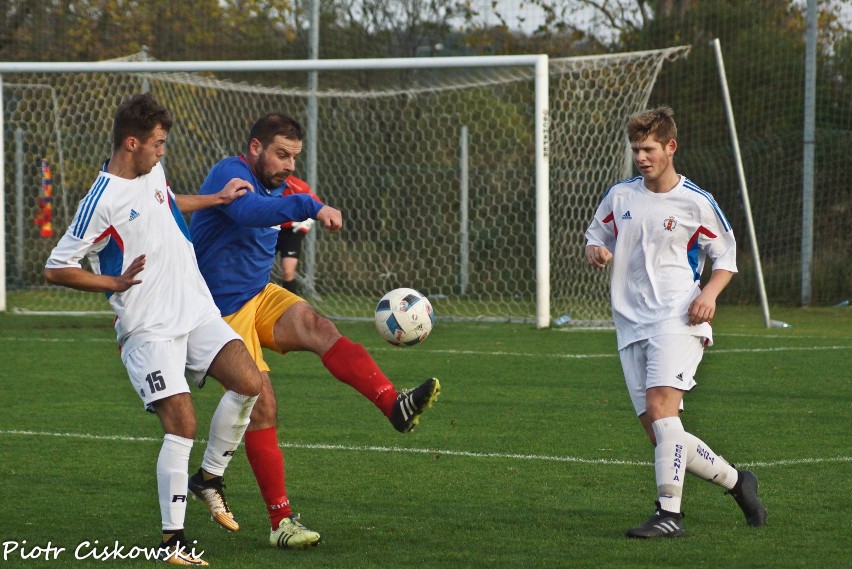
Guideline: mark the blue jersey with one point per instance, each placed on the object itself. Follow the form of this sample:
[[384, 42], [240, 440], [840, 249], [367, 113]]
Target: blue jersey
[[235, 243]]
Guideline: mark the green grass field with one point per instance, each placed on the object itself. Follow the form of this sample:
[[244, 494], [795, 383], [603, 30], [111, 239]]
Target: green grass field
[[531, 458]]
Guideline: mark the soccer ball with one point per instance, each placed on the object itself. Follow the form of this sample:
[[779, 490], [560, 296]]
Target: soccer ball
[[404, 317]]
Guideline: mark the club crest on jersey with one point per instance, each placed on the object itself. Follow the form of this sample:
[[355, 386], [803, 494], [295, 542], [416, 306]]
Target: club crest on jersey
[[159, 195], [669, 223]]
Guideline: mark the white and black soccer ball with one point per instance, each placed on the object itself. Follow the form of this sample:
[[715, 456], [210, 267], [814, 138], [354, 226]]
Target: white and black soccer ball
[[404, 317]]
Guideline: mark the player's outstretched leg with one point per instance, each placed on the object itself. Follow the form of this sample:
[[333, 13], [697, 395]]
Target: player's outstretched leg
[[745, 493], [411, 403], [351, 364], [291, 534], [661, 524]]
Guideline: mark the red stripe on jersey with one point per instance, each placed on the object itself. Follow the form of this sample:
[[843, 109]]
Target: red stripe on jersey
[[611, 217], [700, 231], [111, 232]]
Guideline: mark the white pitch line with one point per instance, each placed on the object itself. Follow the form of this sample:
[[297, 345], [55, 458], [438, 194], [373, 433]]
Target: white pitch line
[[434, 452], [56, 340], [510, 354], [470, 454], [778, 349], [613, 354]]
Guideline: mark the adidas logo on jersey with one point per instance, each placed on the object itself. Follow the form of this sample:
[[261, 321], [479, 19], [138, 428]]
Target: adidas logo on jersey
[[626, 215], [680, 376], [133, 214]]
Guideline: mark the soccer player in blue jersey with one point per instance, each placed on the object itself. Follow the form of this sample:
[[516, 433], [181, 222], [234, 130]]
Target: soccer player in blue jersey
[[129, 227], [235, 246], [657, 229]]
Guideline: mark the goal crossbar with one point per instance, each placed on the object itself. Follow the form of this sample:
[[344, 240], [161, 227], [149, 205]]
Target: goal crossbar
[[123, 66]]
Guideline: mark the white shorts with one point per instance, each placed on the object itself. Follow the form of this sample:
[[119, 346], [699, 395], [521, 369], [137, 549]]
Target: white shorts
[[160, 368], [670, 360]]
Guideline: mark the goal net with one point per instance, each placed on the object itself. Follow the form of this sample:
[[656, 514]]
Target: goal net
[[434, 172]]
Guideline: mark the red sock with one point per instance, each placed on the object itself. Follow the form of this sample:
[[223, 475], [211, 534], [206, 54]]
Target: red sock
[[351, 364], [267, 462]]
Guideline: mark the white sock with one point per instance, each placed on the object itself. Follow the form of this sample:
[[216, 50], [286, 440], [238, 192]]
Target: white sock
[[669, 461], [172, 477], [704, 463], [227, 428]]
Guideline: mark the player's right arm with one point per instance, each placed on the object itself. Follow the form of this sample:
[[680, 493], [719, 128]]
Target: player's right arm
[[599, 233], [88, 235], [598, 256], [81, 279]]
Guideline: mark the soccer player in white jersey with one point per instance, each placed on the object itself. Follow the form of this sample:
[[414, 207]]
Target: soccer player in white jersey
[[168, 327], [657, 229]]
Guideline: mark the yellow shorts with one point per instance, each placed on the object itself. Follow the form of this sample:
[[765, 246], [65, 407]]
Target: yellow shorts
[[256, 319]]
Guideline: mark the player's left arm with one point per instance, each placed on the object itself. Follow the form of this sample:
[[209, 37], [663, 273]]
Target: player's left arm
[[255, 210], [235, 188], [716, 239], [703, 308]]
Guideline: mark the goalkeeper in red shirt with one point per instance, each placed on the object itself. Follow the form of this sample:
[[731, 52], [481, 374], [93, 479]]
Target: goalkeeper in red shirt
[[292, 235]]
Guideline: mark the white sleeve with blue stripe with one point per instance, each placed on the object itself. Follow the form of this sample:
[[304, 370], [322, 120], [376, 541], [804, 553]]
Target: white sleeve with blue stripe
[[723, 249], [85, 235]]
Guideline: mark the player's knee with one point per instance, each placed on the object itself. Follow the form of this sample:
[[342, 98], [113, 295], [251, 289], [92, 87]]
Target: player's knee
[[326, 335], [314, 324], [177, 415], [241, 374], [250, 382], [324, 327], [301, 328], [186, 428]]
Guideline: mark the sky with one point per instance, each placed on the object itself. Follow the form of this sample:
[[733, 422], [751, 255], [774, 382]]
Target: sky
[[534, 16]]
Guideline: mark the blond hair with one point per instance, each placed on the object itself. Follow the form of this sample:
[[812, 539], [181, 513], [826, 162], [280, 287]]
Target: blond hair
[[658, 123]]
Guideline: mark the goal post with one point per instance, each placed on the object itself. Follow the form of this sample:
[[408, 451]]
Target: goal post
[[544, 138], [2, 203]]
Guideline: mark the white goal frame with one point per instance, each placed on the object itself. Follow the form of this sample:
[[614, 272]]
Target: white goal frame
[[542, 164]]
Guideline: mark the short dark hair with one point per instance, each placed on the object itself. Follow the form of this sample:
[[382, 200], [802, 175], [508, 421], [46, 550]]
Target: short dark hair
[[267, 127], [138, 116], [658, 122]]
